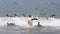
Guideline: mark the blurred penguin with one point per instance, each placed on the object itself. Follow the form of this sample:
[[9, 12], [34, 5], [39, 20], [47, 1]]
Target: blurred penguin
[[39, 25], [7, 15], [29, 21]]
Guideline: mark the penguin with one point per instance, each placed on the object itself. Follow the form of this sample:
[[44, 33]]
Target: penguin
[[39, 25]]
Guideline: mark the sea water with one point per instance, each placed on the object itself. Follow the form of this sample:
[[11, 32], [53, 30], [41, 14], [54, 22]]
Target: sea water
[[43, 8]]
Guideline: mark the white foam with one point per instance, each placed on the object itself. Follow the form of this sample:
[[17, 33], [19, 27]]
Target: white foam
[[22, 21]]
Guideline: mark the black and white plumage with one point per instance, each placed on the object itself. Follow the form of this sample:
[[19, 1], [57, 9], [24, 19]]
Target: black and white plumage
[[11, 24]]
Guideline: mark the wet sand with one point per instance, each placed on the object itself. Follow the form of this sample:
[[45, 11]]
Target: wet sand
[[35, 30]]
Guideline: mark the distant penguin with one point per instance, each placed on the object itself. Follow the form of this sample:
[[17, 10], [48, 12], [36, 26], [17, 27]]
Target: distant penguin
[[10, 24], [39, 25], [53, 15], [7, 15], [15, 14]]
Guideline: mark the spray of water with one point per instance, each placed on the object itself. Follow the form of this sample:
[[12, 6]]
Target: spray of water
[[22, 21]]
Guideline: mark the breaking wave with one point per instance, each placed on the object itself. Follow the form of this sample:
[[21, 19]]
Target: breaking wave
[[22, 21]]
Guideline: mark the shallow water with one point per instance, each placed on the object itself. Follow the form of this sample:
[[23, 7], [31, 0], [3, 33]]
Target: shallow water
[[35, 30], [43, 8]]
